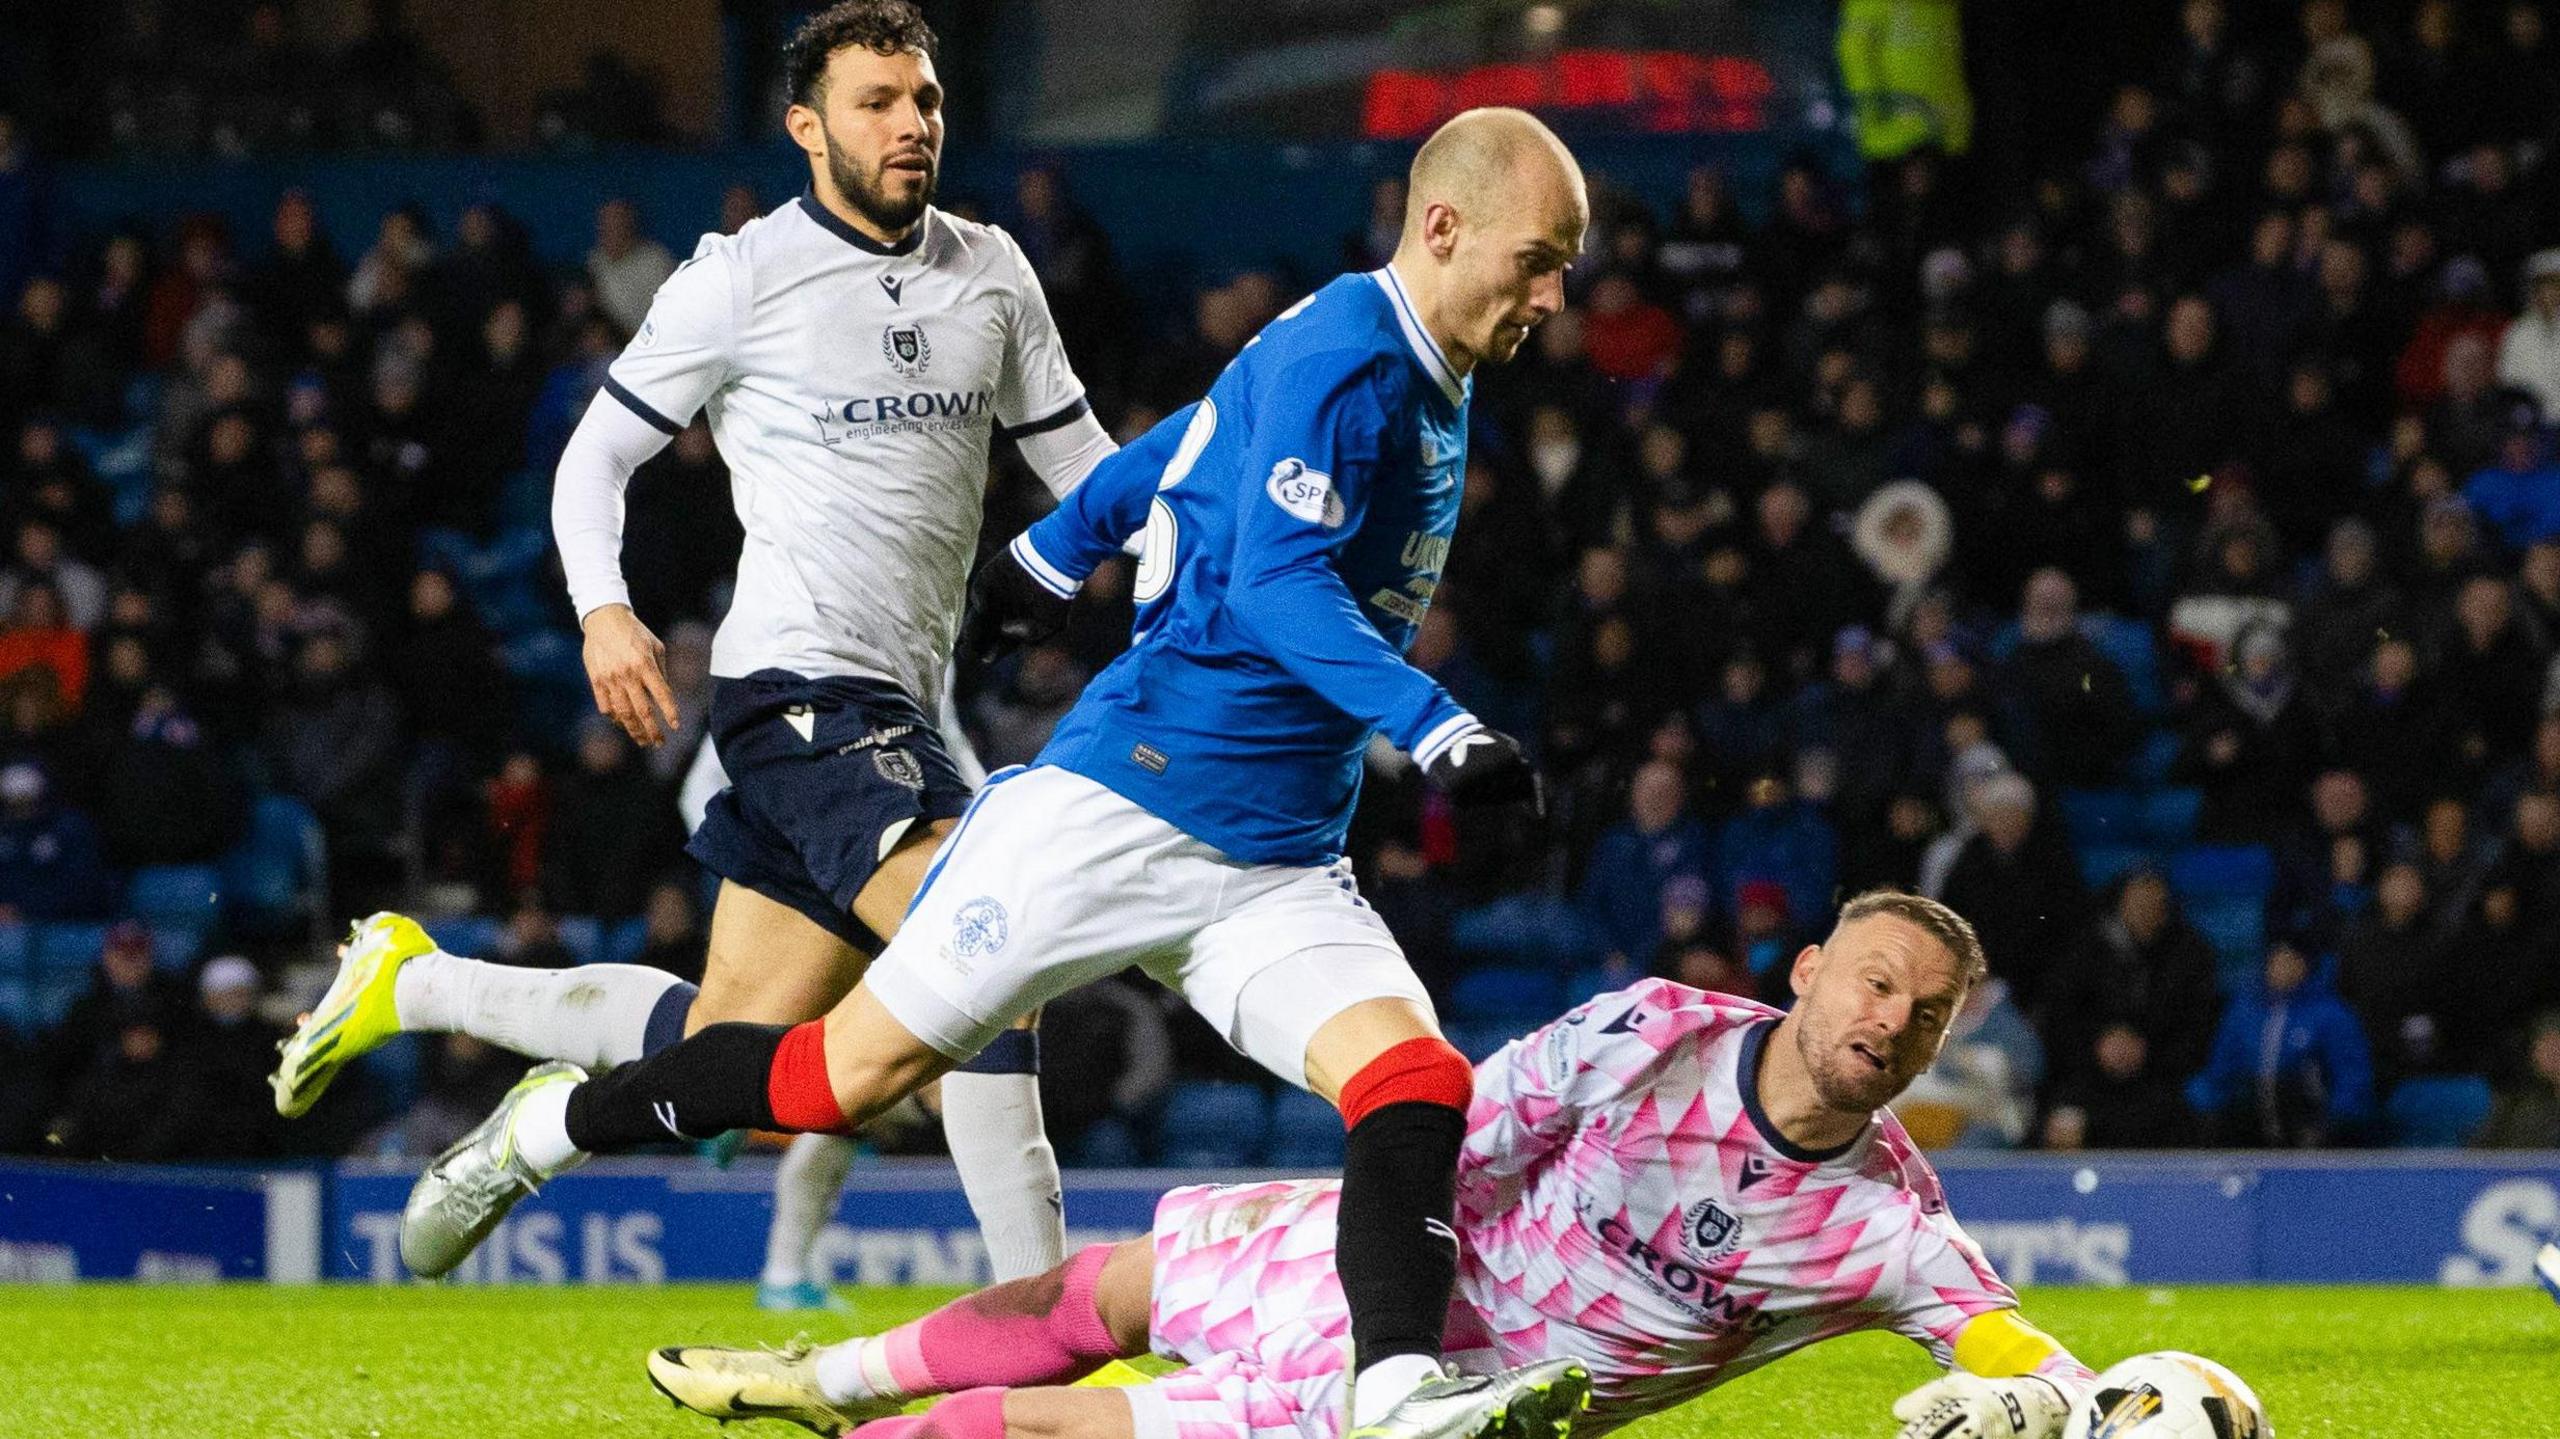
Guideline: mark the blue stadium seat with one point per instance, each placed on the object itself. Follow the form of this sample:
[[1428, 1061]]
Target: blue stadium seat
[[2169, 816], [474, 936], [1109, 1144], [2437, 1111], [2159, 752], [17, 950], [176, 947], [624, 941], [175, 896], [583, 936], [2101, 816], [1306, 1133], [1208, 1124], [1526, 929], [2235, 925], [268, 879], [2135, 651], [2101, 864], [68, 947], [17, 1007], [1507, 995], [2222, 871]]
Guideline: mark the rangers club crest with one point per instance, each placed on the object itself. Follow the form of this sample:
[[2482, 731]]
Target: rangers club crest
[[979, 928], [906, 350]]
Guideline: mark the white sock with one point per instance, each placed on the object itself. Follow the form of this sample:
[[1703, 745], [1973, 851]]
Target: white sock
[[1383, 1385], [542, 1130], [857, 1369], [596, 1015], [1008, 1170], [805, 1186]]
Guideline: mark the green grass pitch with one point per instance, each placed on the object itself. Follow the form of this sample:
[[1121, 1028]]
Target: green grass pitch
[[366, 1363]]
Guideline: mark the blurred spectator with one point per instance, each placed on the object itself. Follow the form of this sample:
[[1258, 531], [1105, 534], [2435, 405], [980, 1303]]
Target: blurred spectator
[[2140, 965], [2117, 1098], [232, 1050], [2251, 741], [2289, 1067], [38, 638], [333, 741], [139, 1101], [2018, 887], [1658, 841], [2395, 967], [1783, 837], [674, 937], [2526, 1114], [2493, 669], [51, 864], [2340, 612], [1106, 1052], [465, 1078], [40, 559], [612, 833], [2325, 866], [2529, 351], [126, 991], [1904, 535], [2082, 712], [2393, 714], [1981, 1092], [626, 267], [2518, 493], [167, 796]]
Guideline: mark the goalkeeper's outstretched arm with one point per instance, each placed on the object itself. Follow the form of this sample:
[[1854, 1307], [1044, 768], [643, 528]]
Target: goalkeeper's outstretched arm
[[2009, 1380]]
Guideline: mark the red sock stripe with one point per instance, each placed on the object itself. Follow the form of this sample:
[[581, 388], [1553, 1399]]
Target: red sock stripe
[[1418, 1071], [796, 1088]]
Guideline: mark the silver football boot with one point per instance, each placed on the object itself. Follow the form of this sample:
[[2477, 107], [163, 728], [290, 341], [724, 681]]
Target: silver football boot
[[471, 1186]]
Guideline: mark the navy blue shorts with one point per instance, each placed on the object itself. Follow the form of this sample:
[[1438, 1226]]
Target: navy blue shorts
[[819, 770]]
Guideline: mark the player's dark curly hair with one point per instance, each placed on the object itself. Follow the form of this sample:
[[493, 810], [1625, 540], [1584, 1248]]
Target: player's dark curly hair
[[884, 27]]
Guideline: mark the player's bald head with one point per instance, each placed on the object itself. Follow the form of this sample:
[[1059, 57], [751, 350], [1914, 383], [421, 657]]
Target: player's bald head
[[1493, 157], [1494, 212]]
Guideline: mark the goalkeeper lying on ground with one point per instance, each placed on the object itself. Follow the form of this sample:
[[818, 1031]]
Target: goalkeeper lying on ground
[[1671, 1188]]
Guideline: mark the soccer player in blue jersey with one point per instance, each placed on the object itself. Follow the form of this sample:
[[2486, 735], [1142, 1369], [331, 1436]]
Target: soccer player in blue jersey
[[1188, 816]]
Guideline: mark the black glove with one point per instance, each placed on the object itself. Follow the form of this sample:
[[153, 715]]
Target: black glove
[[1486, 767], [1008, 610]]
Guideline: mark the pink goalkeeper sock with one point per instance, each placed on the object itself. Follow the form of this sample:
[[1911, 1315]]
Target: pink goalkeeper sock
[[977, 1414], [1043, 1330], [1012, 1334]]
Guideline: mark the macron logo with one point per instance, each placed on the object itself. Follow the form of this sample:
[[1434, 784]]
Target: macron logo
[[666, 1112], [1438, 1230], [1458, 748], [893, 285]]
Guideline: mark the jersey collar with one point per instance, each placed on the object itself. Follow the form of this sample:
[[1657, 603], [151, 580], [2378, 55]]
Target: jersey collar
[[1754, 1040], [1425, 349], [834, 225]]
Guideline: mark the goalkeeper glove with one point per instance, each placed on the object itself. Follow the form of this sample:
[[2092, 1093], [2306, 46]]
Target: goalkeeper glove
[[1968, 1406], [1486, 767], [1008, 610]]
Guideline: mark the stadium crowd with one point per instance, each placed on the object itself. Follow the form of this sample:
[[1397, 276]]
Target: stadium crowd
[[2158, 559]]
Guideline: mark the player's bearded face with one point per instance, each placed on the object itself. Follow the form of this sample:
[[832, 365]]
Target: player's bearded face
[[1875, 1017], [882, 121]]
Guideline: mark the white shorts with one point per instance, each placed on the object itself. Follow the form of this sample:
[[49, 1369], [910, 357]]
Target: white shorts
[[1245, 1294], [1052, 881]]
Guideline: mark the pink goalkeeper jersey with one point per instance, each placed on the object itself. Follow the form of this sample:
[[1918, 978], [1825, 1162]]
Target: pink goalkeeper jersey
[[1624, 1201]]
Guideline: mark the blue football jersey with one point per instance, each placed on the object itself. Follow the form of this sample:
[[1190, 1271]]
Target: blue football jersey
[[1296, 520]]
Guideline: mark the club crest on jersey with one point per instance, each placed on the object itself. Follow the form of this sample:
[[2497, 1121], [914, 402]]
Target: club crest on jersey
[[906, 349], [898, 767], [980, 927], [1713, 1230], [1305, 493]]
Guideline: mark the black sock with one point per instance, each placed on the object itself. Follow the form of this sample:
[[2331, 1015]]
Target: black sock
[[1393, 1244], [712, 1082]]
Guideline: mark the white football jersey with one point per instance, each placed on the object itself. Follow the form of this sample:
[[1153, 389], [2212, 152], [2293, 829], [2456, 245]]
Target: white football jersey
[[853, 389]]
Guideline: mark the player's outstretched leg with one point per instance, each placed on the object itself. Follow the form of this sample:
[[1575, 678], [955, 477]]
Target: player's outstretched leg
[[827, 1076], [392, 978], [1054, 1328]]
